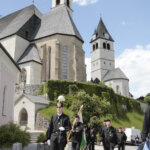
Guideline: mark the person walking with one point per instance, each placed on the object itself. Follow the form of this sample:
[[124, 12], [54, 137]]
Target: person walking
[[59, 125], [100, 134], [76, 133], [88, 138], [93, 139], [121, 139], [146, 124], [108, 137]]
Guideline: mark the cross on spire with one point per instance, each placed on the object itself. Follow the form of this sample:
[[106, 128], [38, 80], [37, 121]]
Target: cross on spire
[[33, 2], [100, 15]]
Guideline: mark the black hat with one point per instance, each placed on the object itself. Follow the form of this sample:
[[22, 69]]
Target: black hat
[[108, 120], [77, 116], [59, 104]]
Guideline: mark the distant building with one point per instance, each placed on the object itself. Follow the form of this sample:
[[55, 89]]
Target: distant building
[[103, 61], [8, 78], [45, 46]]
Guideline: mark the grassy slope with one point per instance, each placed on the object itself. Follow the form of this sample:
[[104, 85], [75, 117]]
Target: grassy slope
[[49, 111], [132, 119]]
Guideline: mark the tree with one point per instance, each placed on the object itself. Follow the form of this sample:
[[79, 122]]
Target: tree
[[92, 105], [147, 99]]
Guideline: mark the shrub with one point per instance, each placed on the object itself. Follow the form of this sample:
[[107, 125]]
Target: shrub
[[147, 99], [11, 133], [41, 138]]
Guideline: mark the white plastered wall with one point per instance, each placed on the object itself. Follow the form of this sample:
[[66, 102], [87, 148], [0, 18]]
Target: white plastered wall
[[123, 86], [15, 45], [26, 104], [33, 70]]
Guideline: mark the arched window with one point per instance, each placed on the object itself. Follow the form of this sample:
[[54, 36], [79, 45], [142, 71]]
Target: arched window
[[96, 45], [23, 117], [108, 46], [117, 89], [57, 2], [64, 63], [104, 45], [23, 75], [68, 3]]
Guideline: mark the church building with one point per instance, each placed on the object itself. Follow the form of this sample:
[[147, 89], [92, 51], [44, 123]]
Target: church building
[[45, 46], [103, 61]]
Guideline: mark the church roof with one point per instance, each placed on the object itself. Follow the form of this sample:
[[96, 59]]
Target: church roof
[[116, 73], [57, 21], [30, 54], [37, 99], [8, 55], [101, 31], [11, 24]]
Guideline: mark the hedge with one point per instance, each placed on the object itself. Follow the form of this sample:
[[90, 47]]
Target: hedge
[[54, 88]]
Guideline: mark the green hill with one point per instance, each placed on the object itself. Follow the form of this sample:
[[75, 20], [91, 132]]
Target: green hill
[[100, 102], [132, 118]]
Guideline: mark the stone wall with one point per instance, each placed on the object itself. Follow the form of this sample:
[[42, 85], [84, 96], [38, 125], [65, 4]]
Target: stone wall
[[28, 89], [41, 123]]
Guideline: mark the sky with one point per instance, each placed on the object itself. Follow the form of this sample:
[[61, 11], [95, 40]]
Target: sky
[[128, 22]]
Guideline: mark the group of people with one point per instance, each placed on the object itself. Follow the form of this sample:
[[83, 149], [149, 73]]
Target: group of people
[[109, 137], [60, 125]]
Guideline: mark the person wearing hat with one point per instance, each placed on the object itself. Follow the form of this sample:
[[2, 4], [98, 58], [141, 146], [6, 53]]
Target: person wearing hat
[[76, 133], [108, 136], [59, 125]]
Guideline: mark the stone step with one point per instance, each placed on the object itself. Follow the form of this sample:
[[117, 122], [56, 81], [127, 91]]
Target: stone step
[[34, 135]]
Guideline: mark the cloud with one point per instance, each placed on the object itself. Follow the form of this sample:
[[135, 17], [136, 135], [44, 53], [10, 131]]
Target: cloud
[[135, 63], [85, 2], [88, 68]]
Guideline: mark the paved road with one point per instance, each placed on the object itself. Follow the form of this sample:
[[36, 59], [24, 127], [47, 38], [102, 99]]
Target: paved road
[[127, 148]]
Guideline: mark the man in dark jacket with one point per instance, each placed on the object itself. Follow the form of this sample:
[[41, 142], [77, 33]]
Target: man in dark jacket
[[58, 127], [121, 139], [146, 124], [93, 139], [76, 133], [108, 136]]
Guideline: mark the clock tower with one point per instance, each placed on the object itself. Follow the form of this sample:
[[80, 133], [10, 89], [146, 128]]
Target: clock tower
[[102, 52]]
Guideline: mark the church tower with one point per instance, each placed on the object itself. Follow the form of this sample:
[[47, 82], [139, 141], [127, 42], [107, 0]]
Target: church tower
[[102, 52], [59, 3]]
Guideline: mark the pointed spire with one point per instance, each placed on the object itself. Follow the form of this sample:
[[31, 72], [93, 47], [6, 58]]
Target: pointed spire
[[102, 31]]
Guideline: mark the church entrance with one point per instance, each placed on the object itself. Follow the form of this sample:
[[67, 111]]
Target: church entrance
[[23, 117]]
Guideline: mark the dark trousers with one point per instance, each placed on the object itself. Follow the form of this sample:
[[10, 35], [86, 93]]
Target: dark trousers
[[91, 146], [121, 146], [55, 145], [109, 148], [75, 146]]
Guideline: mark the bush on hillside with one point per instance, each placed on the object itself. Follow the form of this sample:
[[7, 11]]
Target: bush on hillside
[[11, 133]]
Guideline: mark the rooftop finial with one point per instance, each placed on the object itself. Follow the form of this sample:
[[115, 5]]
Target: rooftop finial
[[33, 2]]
